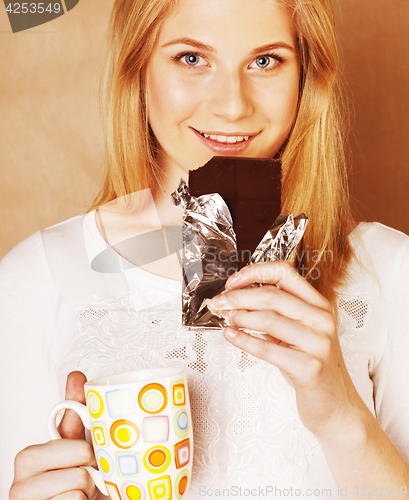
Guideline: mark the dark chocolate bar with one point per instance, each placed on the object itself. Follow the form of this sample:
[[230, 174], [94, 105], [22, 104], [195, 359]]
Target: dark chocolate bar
[[251, 188]]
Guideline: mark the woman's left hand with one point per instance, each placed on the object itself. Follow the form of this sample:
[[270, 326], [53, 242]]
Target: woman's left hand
[[300, 338]]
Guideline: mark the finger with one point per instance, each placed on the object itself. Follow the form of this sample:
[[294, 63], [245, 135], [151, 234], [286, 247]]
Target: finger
[[271, 298], [276, 341], [282, 274], [56, 454], [56, 482], [278, 328], [290, 360], [71, 426]]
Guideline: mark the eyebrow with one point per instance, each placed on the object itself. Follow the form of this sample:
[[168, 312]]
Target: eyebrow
[[272, 46], [208, 48], [191, 42]]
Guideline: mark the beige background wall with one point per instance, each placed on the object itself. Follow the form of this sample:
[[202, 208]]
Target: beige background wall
[[51, 150], [374, 40], [51, 153]]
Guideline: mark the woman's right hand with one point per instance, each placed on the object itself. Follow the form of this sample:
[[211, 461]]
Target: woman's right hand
[[52, 470]]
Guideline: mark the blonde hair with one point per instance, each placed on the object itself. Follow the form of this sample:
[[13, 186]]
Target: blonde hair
[[130, 144], [314, 166], [314, 162]]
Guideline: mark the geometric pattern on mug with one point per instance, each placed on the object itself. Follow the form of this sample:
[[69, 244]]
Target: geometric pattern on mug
[[181, 424], [153, 398], [133, 491], [113, 490], [121, 403], [100, 434], [181, 483], [178, 393], [128, 464], [124, 433], [105, 463], [155, 429], [160, 489], [95, 404], [182, 453], [157, 459]]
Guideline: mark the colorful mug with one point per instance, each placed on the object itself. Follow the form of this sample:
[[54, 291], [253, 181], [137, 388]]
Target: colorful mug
[[141, 430]]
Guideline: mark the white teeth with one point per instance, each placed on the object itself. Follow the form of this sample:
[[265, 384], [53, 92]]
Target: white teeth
[[230, 139]]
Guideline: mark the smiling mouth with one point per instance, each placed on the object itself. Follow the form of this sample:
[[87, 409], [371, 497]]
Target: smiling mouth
[[226, 139]]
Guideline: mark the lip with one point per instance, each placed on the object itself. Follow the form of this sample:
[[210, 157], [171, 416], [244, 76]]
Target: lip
[[225, 148]]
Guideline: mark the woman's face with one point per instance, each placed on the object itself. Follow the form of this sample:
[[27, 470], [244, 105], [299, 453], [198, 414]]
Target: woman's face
[[223, 79]]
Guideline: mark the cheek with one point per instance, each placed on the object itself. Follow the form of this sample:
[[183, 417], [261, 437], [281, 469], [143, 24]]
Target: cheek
[[289, 110], [170, 98], [279, 101], [290, 96]]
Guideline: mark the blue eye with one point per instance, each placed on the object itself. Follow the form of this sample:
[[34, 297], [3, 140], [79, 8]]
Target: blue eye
[[266, 61], [191, 59], [263, 62]]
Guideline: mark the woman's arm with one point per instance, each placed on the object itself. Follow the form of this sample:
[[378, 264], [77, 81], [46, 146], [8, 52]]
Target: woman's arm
[[28, 389], [301, 339], [28, 384]]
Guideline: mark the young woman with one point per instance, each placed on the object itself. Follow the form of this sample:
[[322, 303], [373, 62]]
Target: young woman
[[288, 412]]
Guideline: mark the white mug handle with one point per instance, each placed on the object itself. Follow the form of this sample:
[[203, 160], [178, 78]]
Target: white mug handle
[[82, 411]]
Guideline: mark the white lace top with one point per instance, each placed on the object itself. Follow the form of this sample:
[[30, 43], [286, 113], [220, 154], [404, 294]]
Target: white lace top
[[58, 315]]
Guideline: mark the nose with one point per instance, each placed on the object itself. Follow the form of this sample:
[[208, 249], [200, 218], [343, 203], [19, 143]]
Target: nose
[[231, 97]]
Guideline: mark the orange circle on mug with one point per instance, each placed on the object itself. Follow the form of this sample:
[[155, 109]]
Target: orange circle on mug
[[153, 398], [182, 485], [157, 458]]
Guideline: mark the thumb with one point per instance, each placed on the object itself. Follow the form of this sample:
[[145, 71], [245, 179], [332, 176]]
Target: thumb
[[71, 426]]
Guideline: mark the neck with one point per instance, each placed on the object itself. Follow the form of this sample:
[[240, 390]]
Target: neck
[[169, 214]]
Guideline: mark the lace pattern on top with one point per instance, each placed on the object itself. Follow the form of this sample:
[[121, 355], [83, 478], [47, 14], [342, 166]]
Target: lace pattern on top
[[246, 426], [356, 309], [353, 317]]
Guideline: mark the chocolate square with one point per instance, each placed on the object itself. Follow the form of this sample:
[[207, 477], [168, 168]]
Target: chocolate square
[[251, 188]]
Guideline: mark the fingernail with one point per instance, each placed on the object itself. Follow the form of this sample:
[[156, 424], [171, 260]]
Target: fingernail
[[208, 304], [217, 303], [234, 278], [228, 315], [230, 333]]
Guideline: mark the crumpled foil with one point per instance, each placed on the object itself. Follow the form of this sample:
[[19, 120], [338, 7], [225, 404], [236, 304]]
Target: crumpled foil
[[209, 254], [210, 251], [281, 239]]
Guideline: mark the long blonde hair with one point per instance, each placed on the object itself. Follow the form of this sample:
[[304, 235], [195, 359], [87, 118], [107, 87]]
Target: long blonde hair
[[314, 166]]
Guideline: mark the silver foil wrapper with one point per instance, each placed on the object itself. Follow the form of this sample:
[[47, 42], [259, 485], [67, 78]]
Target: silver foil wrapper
[[210, 251], [281, 239], [209, 254]]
